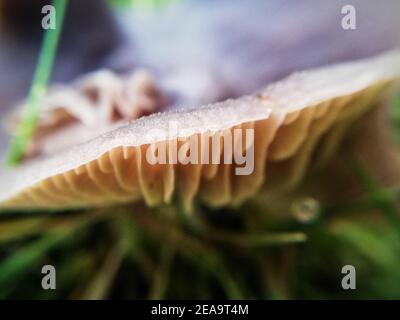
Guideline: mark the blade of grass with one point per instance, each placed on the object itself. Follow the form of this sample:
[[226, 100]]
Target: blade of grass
[[17, 229], [258, 240], [367, 243], [22, 260], [101, 284], [161, 278], [38, 87], [25, 258], [381, 198], [131, 239], [249, 240]]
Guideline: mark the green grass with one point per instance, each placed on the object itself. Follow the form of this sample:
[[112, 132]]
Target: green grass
[[38, 88], [135, 252]]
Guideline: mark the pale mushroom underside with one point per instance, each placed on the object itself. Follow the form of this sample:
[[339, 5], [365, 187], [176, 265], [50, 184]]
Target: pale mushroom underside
[[290, 119]]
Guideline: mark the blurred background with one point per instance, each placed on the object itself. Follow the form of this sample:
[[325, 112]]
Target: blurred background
[[200, 52]]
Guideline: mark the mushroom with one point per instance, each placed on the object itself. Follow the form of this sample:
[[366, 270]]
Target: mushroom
[[295, 123], [94, 104]]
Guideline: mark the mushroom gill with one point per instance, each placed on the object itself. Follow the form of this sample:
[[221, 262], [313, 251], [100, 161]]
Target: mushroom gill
[[289, 119]]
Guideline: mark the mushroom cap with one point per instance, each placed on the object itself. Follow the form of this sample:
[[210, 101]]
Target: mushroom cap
[[290, 119]]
